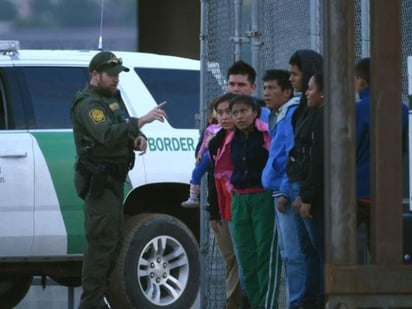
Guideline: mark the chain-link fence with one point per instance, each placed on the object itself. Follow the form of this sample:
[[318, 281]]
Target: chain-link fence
[[233, 29]]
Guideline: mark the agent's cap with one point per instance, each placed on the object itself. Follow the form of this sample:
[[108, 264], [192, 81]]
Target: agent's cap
[[107, 62]]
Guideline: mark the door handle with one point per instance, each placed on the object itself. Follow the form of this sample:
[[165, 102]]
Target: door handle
[[7, 155]]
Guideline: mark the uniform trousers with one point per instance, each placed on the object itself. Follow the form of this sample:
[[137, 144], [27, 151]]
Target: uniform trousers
[[103, 223], [254, 231], [225, 244]]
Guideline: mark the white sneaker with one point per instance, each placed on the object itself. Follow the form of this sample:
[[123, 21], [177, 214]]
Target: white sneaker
[[191, 203]]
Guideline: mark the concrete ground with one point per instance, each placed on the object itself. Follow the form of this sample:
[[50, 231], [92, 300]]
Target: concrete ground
[[55, 296]]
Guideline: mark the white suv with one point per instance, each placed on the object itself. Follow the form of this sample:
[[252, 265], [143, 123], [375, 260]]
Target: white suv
[[41, 218]]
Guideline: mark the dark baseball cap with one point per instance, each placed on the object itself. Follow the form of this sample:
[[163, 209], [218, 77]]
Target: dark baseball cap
[[107, 62]]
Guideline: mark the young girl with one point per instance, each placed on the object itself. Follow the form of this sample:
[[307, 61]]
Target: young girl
[[202, 160], [253, 215]]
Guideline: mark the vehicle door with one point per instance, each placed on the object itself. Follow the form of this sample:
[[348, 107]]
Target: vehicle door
[[58, 212], [16, 171]]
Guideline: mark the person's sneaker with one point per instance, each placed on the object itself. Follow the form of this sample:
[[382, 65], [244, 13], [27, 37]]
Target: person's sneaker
[[105, 304], [190, 203]]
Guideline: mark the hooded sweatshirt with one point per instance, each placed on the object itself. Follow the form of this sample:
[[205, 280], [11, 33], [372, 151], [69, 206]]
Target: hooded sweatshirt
[[303, 117], [311, 62]]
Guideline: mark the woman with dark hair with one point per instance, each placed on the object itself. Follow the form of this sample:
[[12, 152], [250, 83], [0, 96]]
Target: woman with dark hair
[[305, 171], [219, 199]]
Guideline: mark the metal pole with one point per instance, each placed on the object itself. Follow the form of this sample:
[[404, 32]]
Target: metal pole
[[238, 38], [315, 25], [386, 141], [339, 128], [365, 27], [256, 44], [340, 214], [204, 230], [137, 26], [410, 128], [70, 296]]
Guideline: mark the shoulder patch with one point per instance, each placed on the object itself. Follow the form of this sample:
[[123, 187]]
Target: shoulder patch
[[97, 115], [114, 106]]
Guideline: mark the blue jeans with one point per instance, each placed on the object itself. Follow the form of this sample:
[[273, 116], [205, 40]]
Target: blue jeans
[[311, 238], [200, 169], [291, 253]]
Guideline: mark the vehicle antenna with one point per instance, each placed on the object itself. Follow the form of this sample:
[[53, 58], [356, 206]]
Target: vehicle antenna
[[100, 47]]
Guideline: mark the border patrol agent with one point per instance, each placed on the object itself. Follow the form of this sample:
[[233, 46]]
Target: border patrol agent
[[105, 141]]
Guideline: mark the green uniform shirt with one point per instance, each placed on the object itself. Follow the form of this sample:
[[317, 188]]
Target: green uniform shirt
[[102, 131]]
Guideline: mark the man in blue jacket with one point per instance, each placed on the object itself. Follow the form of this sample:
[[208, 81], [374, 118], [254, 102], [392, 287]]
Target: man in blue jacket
[[363, 141], [278, 95]]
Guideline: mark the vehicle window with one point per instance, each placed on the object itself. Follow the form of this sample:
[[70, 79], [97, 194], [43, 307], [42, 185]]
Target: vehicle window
[[51, 90], [180, 88], [11, 109]]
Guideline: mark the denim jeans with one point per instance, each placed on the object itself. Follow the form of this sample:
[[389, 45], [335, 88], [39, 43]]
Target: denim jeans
[[200, 169], [291, 253], [311, 238]]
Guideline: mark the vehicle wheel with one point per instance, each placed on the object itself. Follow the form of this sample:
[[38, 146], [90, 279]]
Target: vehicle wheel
[[158, 266], [13, 289]]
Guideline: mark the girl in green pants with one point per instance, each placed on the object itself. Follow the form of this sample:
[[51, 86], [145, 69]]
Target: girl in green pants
[[253, 220]]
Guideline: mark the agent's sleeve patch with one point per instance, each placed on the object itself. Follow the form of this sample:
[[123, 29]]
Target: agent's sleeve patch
[[97, 116]]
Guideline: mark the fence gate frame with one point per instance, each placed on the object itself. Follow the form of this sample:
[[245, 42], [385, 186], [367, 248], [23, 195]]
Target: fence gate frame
[[386, 281]]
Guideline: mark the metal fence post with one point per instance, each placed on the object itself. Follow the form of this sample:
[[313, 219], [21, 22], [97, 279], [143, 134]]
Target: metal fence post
[[70, 296], [315, 25], [238, 39], [365, 31], [204, 238], [340, 215], [256, 44]]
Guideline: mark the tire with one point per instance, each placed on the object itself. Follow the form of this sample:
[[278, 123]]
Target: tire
[[13, 289], [148, 278]]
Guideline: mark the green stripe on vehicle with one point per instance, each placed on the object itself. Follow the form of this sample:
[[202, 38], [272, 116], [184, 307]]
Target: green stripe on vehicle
[[59, 152]]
